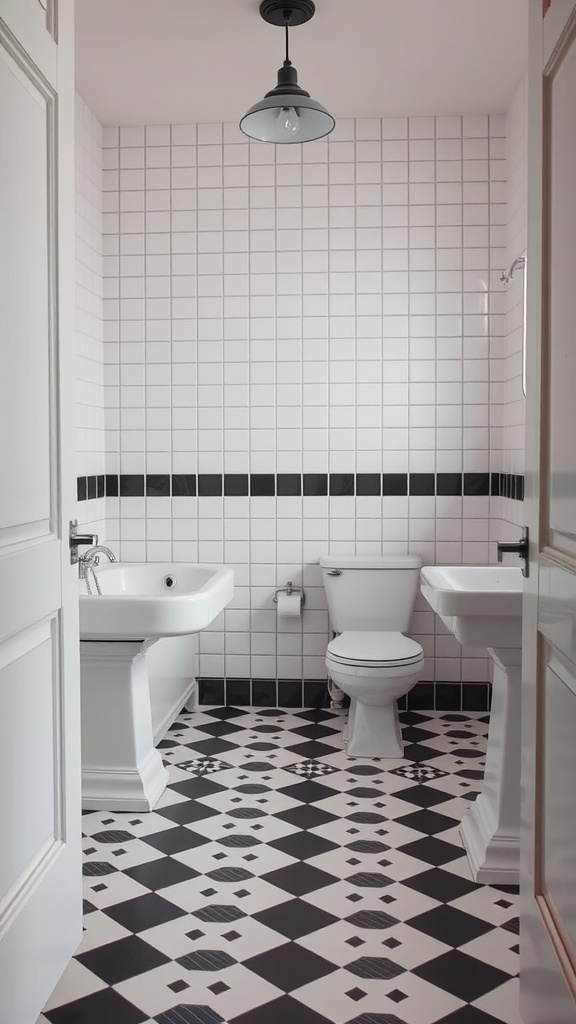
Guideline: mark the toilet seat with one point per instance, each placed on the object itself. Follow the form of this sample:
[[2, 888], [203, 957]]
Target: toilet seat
[[374, 650]]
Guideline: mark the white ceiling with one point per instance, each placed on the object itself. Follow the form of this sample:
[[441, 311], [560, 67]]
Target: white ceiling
[[160, 61]]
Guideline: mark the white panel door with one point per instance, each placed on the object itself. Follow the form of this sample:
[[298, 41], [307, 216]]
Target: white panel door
[[548, 873], [40, 874]]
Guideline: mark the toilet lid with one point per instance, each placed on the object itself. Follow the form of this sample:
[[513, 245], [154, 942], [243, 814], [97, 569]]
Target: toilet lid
[[358, 648]]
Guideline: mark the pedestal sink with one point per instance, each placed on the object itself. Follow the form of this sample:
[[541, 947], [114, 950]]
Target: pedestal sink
[[138, 604], [482, 607]]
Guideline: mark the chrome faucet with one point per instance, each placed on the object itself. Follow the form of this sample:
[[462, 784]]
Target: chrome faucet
[[88, 562], [93, 554]]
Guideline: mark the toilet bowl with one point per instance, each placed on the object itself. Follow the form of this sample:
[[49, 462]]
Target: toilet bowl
[[370, 601], [374, 670]]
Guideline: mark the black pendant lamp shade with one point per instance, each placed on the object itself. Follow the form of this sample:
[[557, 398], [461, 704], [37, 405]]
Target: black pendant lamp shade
[[287, 114]]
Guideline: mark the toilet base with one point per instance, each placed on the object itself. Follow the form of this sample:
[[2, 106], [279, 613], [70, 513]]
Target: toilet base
[[374, 730]]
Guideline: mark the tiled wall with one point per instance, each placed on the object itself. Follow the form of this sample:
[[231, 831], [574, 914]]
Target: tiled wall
[[90, 432], [325, 310], [508, 439]]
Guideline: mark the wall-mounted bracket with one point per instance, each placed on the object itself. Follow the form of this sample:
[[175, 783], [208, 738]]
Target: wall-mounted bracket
[[521, 548]]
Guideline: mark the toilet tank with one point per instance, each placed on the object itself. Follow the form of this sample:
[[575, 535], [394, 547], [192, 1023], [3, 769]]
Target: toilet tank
[[371, 594]]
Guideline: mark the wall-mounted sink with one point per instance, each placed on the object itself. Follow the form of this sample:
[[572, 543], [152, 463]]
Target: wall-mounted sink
[[482, 606], [153, 599]]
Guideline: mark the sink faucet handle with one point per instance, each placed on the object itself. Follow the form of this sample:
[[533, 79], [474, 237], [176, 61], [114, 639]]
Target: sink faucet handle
[[76, 539], [521, 548]]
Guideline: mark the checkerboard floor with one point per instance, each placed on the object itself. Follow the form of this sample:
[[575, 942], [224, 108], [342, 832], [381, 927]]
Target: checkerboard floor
[[281, 882]]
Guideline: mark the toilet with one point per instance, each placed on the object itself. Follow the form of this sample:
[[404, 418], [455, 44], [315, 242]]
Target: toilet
[[370, 601]]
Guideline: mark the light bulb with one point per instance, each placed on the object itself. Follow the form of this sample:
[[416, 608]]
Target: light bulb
[[288, 121]]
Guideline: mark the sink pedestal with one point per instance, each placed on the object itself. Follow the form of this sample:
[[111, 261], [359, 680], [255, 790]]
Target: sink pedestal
[[121, 768], [491, 828]]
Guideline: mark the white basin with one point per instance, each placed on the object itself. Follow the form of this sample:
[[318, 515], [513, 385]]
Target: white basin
[[139, 604], [155, 599], [480, 604]]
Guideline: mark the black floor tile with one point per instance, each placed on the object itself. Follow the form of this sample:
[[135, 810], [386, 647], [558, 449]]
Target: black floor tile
[[469, 1015], [416, 734], [315, 731], [299, 879], [143, 912], [315, 715], [307, 792], [306, 816], [424, 795], [414, 717], [211, 747], [311, 749], [449, 925], [225, 713], [221, 728], [196, 787], [432, 851], [159, 874], [125, 958], [176, 840], [289, 967], [428, 822], [420, 752], [295, 918], [281, 1011], [303, 845], [461, 975], [441, 885], [513, 925], [187, 811], [105, 1007]]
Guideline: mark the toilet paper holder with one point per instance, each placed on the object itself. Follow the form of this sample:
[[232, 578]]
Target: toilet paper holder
[[290, 589]]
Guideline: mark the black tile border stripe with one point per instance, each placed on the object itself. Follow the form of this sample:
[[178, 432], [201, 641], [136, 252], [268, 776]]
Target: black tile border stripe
[[313, 693], [506, 485]]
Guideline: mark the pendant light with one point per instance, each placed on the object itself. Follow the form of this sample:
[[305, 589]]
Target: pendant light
[[287, 113]]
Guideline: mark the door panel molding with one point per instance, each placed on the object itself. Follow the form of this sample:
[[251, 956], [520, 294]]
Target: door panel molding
[[558, 252], [559, 939], [556, 567], [24, 533], [16, 898], [39, 561], [33, 35], [559, 678], [556, 27], [40, 87], [561, 945], [22, 643], [40, 874], [35, 821], [52, 18], [557, 603]]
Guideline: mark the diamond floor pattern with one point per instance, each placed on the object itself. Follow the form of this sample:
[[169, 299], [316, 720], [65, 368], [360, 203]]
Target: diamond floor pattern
[[285, 883]]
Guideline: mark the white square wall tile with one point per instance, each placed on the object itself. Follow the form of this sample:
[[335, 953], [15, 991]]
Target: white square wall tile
[[259, 266]]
